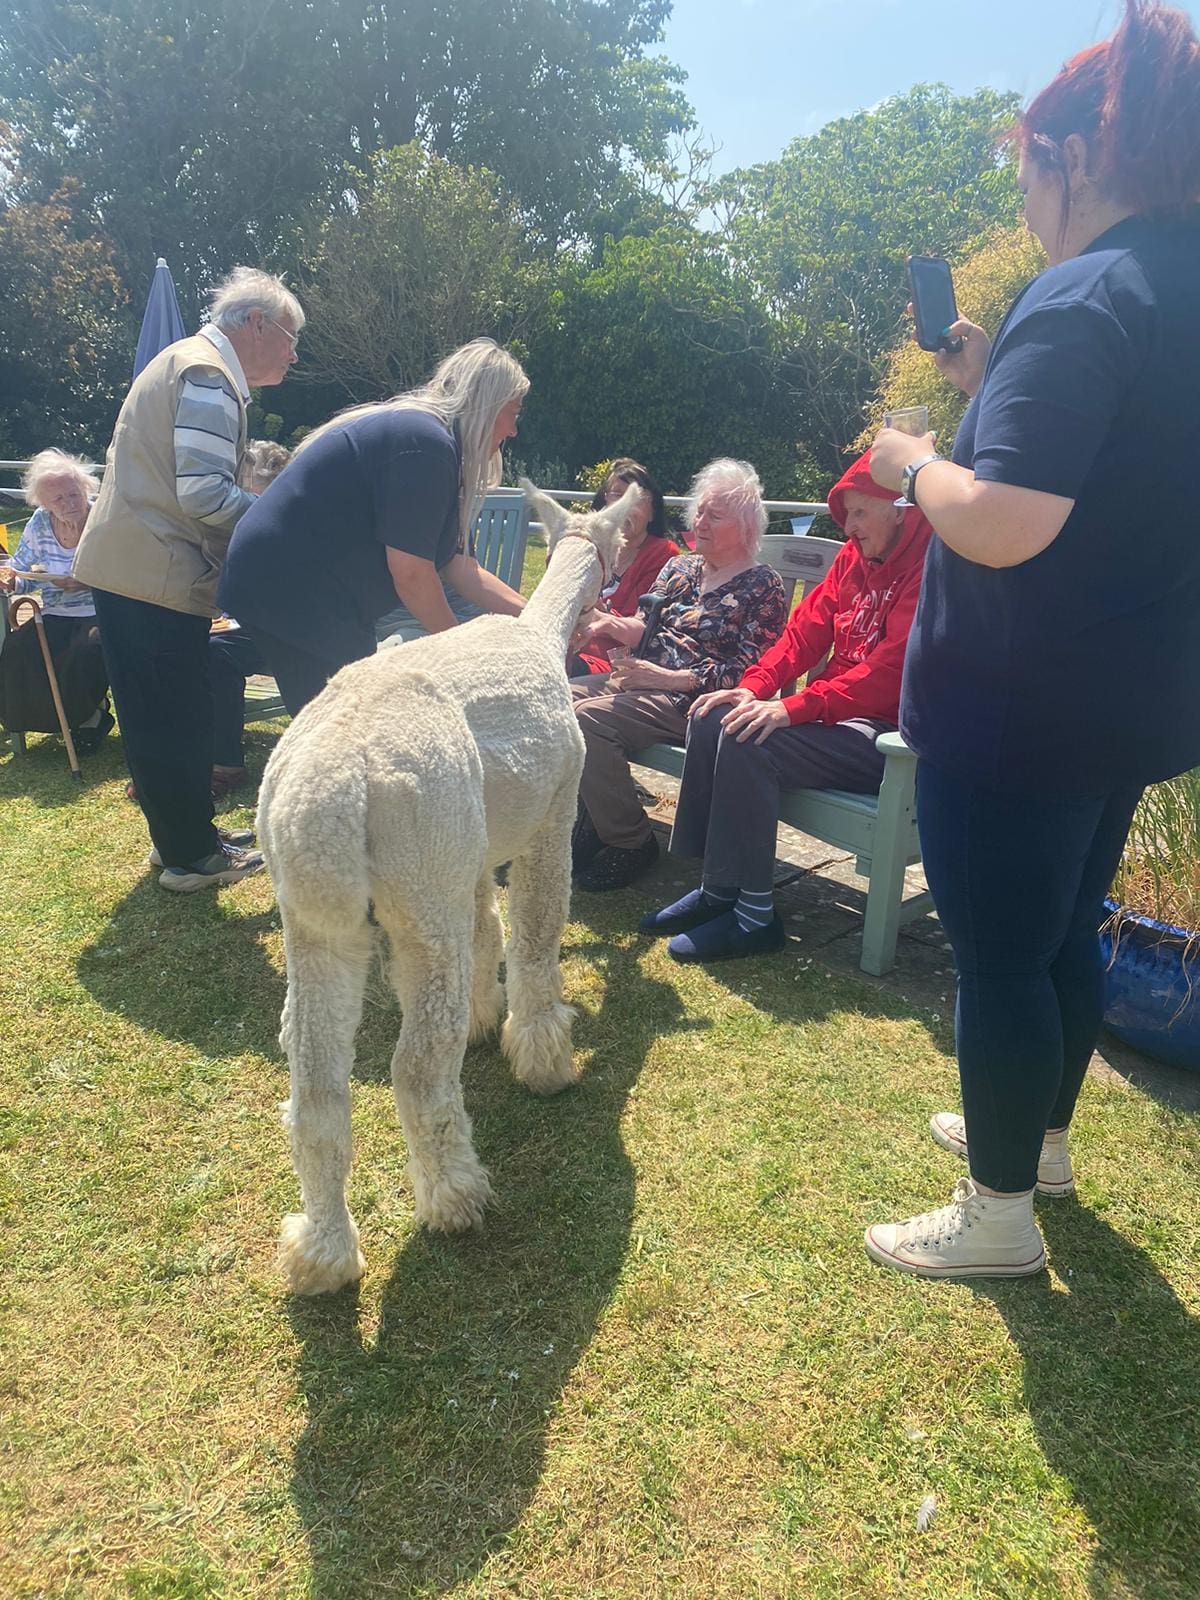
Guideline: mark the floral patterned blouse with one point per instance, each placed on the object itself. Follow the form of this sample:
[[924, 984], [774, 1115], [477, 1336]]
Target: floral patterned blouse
[[716, 635]]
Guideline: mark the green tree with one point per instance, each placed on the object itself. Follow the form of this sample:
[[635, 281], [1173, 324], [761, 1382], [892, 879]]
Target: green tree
[[427, 256], [823, 233], [202, 129], [65, 348], [662, 353]]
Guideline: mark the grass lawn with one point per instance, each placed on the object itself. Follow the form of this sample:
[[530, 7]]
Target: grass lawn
[[663, 1367]]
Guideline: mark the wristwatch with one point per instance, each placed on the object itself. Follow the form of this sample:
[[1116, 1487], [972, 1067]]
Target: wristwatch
[[908, 477]]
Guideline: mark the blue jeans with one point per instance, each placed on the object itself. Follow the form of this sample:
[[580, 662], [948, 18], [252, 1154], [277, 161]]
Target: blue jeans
[[1018, 881]]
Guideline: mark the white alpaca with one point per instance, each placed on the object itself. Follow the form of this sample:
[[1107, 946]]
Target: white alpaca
[[402, 787]]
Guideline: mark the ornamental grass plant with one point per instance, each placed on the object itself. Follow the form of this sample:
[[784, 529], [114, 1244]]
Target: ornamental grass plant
[[1159, 875]]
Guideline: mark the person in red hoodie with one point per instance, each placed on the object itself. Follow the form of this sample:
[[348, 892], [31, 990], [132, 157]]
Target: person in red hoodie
[[744, 746]]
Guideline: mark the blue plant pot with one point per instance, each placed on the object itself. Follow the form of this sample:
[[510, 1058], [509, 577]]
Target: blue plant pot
[[1149, 1001]]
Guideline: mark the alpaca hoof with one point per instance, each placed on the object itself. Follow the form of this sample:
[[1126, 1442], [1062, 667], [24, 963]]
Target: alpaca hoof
[[452, 1205], [539, 1050], [486, 1013], [315, 1262]]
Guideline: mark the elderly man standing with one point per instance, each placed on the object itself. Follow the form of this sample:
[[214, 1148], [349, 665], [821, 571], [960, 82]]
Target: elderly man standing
[[152, 552]]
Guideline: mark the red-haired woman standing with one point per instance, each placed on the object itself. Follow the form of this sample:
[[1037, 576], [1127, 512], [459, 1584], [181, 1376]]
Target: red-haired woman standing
[[1054, 663]]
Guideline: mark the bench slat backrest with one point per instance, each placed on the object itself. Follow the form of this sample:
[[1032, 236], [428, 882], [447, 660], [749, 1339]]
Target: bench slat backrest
[[500, 535], [800, 562]]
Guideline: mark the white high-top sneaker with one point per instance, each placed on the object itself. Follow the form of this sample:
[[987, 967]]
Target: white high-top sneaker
[[975, 1236], [1055, 1176]]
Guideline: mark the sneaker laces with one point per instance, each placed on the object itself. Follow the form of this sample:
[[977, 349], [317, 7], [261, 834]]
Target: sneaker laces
[[947, 1223]]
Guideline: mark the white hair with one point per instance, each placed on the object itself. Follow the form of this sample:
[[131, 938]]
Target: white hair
[[56, 464], [262, 463], [246, 289], [741, 488], [467, 393]]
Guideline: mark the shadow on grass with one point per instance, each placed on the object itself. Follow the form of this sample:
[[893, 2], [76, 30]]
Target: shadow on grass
[[423, 1450], [1110, 1383], [43, 775]]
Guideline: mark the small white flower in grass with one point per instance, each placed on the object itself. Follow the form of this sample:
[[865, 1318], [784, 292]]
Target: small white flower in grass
[[512, 1376], [925, 1513], [549, 1350]]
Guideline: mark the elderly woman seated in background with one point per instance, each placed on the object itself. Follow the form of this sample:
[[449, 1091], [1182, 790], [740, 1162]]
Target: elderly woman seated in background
[[61, 487], [719, 610], [744, 746], [645, 549]]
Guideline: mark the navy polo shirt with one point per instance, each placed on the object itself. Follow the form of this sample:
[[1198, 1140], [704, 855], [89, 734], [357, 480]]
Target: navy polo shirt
[[310, 556], [1078, 671]]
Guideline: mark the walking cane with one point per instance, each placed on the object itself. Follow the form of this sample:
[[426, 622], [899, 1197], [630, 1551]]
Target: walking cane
[[39, 628]]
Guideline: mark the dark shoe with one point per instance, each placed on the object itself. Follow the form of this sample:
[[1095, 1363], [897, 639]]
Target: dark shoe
[[226, 865], [224, 780], [586, 843], [614, 868], [88, 740], [723, 939], [691, 912], [238, 838]]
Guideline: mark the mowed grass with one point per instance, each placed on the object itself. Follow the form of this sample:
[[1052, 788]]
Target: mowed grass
[[663, 1367]]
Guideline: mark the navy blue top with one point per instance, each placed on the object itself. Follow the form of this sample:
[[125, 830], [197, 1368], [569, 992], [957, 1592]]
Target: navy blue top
[[310, 556], [1078, 671]]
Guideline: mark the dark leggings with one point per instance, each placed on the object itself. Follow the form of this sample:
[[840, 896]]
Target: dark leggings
[[1019, 882], [302, 671]]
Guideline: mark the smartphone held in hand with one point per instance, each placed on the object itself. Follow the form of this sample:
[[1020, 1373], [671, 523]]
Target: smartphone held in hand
[[933, 303]]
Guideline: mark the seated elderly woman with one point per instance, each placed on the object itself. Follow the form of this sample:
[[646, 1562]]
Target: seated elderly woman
[[744, 747], [718, 611], [646, 547], [61, 487]]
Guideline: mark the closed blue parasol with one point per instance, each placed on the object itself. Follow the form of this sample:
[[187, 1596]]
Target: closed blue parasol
[[161, 324]]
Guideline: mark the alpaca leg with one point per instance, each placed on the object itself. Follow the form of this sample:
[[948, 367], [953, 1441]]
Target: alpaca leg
[[536, 1036], [318, 1248], [432, 977], [487, 992]]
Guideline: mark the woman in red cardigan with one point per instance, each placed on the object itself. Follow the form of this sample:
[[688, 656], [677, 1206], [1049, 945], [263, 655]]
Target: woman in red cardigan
[[744, 746], [644, 551]]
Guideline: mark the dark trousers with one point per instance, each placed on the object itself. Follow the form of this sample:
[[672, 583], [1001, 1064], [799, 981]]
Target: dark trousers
[[1019, 881], [158, 672], [233, 657], [302, 671], [728, 807]]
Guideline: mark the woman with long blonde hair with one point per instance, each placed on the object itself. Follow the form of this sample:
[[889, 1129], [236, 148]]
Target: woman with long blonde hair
[[376, 507]]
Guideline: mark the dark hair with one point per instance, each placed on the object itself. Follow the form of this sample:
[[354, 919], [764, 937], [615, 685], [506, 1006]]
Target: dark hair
[[624, 470], [1135, 100]]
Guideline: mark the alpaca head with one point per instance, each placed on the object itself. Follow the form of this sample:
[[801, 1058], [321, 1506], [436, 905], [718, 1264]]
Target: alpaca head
[[600, 528]]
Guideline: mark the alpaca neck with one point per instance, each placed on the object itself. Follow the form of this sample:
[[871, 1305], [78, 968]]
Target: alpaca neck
[[554, 607]]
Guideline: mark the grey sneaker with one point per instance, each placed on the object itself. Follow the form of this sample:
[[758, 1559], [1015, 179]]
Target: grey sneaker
[[1055, 1176], [239, 838], [226, 865]]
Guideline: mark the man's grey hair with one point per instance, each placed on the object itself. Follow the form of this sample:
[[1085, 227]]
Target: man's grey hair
[[246, 289], [56, 464], [741, 488]]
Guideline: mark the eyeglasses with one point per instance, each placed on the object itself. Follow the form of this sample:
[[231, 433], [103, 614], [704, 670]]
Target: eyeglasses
[[292, 338]]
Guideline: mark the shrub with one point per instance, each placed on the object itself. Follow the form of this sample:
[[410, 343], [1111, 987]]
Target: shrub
[[1159, 874]]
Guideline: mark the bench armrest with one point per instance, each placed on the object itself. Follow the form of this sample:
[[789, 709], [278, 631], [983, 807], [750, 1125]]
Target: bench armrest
[[891, 744]]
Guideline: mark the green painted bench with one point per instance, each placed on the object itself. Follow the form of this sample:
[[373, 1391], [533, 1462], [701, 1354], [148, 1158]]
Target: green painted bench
[[880, 831]]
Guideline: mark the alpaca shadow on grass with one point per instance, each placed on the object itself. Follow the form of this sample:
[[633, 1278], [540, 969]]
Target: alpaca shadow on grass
[[424, 1447], [1110, 1384]]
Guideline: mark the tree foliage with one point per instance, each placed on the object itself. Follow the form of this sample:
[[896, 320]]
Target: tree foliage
[[205, 129], [62, 331], [427, 256], [985, 284], [660, 352], [823, 233]]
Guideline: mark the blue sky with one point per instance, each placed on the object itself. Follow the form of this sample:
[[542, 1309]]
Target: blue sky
[[762, 72]]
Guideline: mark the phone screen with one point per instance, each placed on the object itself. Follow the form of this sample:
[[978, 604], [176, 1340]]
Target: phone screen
[[933, 302]]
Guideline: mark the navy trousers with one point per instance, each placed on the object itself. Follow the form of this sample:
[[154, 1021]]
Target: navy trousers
[[1019, 882]]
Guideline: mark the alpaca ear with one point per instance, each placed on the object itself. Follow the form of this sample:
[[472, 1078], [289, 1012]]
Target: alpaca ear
[[612, 518], [548, 512]]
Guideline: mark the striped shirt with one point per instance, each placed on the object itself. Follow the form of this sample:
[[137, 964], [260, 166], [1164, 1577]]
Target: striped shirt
[[39, 548], [207, 432]]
